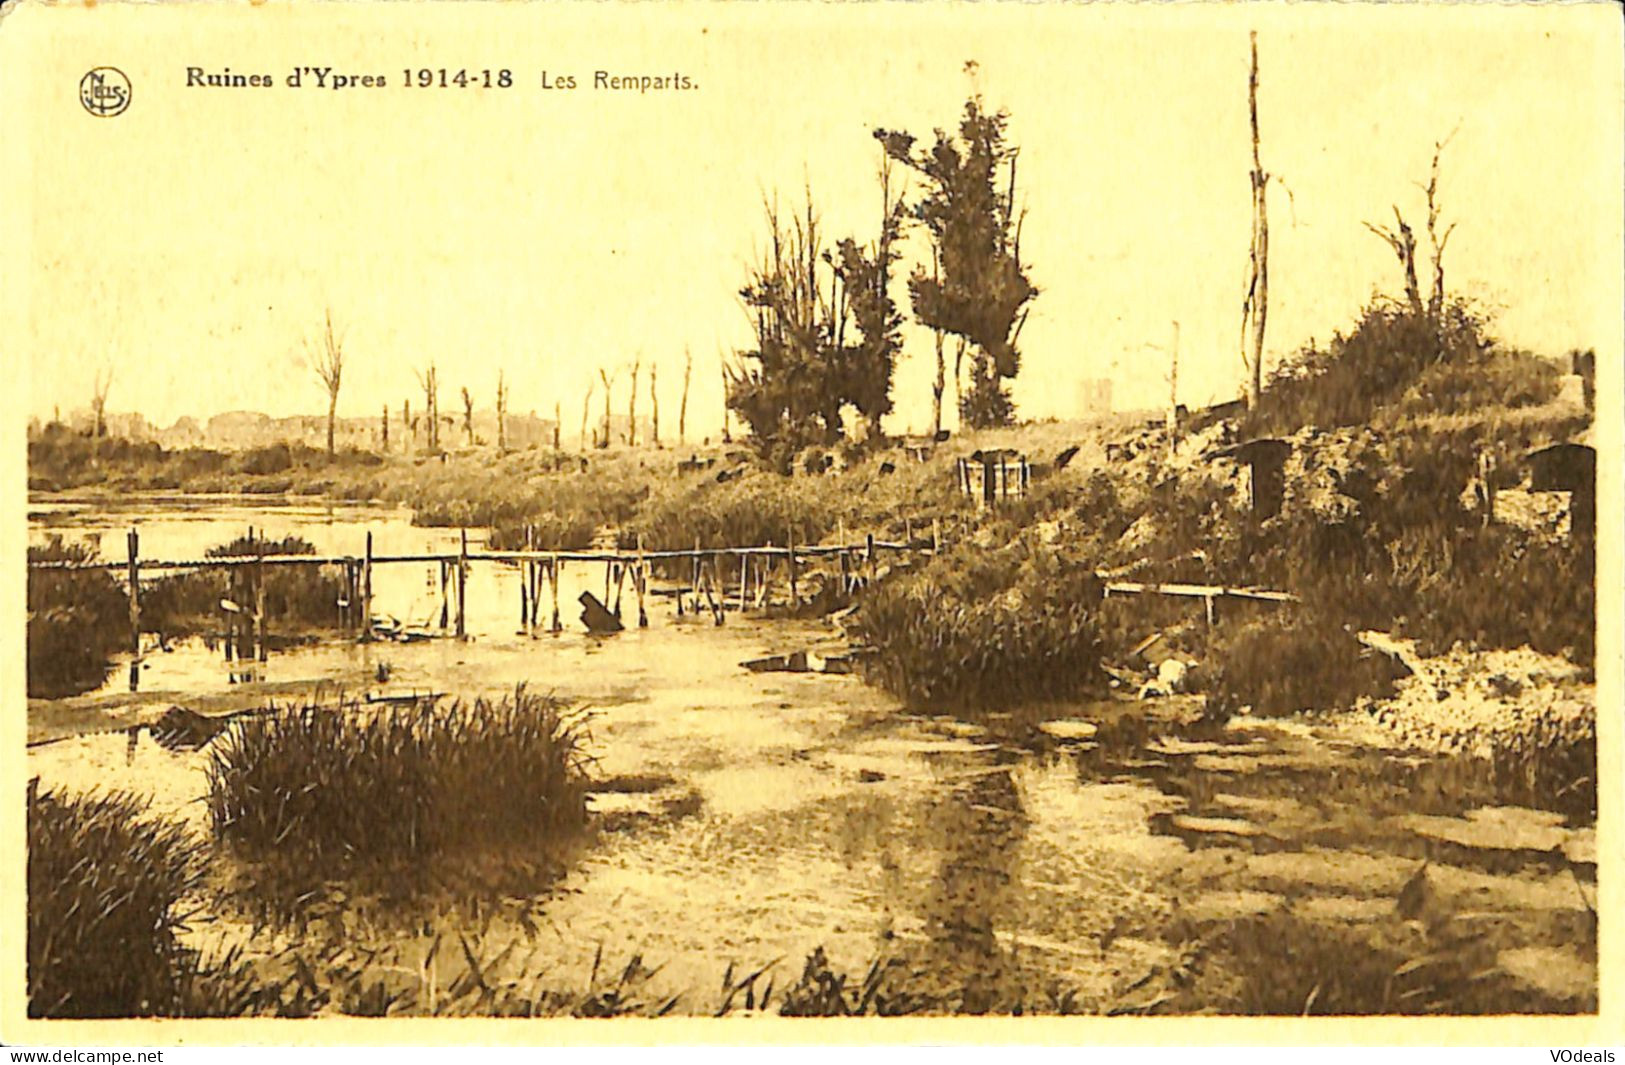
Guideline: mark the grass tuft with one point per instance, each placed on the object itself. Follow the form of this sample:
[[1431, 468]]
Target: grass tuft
[[104, 888], [399, 798]]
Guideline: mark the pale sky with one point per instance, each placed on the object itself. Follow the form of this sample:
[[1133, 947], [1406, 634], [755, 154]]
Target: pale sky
[[195, 240]]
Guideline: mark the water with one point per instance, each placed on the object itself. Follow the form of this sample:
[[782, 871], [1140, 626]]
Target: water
[[1161, 864]]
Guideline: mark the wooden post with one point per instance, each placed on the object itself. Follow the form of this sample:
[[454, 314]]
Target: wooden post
[[620, 579], [445, 594], [228, 617], [133, 544], [556, 567], [366, 591], [695, 570], [245, 585], [524, 586], [744, 579], [462, 587], [795, 594], [642, 585], [259, 597]]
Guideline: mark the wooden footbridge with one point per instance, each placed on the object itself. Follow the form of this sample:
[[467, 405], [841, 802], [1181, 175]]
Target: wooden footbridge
[[711, 578]]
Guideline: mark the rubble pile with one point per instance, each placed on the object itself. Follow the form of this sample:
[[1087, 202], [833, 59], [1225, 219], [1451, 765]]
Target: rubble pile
[[1488, 704]]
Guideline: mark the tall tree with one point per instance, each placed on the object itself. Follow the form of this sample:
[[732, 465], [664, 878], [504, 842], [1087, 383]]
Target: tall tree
[[327, 357], [502, 413], [1402, 239], [1438, 242], [431, 404], [727, 399], [632, 407], [468, 416], [682, 407], [586, 406], [788, 387], [609, 388], [867, 364], [1255, 306], [654, 403], [980, 290], [99, 387], [383, 424], [938, 337]]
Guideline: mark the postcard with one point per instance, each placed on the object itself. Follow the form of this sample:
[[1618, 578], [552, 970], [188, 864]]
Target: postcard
[[808, 522]]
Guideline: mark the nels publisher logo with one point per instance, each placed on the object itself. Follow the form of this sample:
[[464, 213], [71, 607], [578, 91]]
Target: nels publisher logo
[[105, 92]]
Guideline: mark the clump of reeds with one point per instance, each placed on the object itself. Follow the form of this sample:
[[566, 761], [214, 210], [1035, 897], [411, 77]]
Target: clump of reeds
[[1292, 661], [399, 797], [104, 889], [985, 628], [301, 595], [748, 511], [77, 620]]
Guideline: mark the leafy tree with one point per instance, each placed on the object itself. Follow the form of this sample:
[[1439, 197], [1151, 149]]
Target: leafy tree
[[789, 387], [979, 289], [869, 362]]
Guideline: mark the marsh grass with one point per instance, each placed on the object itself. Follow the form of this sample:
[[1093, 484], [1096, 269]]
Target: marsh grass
[[401, 801], [77, 621], [105, 890], [1294, 660], [301, 596], [985, 629]]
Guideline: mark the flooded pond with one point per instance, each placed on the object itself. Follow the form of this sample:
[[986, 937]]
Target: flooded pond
[[1110, 857]]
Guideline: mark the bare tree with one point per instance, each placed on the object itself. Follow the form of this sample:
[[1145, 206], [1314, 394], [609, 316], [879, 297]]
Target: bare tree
[[558, 424], [100, 386], [682, 407], [383, 424], [609, 388], [632, 409], [431, 401], [939, 337], [327, 357], [502, 413], [586, 403], [410, 426], [654, 402], [1173, 392], [1403, 241], [727, 438], [1437, 242], [468, 415], [1255, 307]]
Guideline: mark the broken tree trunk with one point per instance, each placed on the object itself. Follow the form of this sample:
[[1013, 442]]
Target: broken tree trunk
[[1255, 308]]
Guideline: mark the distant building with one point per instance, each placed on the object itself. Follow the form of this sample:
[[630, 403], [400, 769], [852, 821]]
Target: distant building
[[186, 432], [1095, 397]]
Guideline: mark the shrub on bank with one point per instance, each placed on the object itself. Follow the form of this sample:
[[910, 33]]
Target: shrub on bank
[[749, 511], [1372, 365], [984, 629], [305, 596], [77, 621], [1293, 660], [104, 888], [398, 797]]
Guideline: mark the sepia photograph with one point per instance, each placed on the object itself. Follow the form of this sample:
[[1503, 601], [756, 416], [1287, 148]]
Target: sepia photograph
[[707, 511]]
